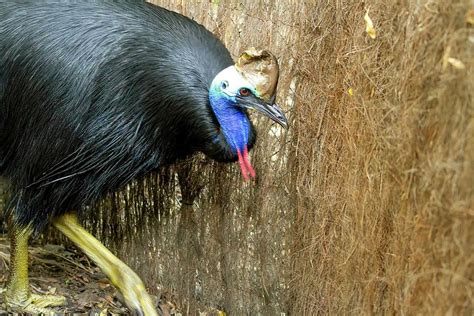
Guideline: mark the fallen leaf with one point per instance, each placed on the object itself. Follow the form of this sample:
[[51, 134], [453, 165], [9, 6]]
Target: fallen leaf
[[456, 63], [469, 17], [369, 26], [86, 298], [109, 299], [350, 92]]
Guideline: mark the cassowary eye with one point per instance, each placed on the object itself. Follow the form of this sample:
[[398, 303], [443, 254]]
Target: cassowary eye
[[244, 92], [224, 85]]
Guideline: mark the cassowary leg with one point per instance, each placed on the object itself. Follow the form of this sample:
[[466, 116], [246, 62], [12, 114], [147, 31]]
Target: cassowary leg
[[18, 297], [128, 283]]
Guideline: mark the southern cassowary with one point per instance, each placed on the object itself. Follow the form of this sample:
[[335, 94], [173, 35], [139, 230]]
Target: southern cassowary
[[94, 94]]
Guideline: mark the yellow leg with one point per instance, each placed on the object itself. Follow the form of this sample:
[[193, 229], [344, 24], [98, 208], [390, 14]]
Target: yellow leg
[[18, 297], [127, 281]]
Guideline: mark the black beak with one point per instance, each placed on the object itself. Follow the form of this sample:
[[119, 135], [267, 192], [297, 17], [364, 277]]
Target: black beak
[[270, 110]]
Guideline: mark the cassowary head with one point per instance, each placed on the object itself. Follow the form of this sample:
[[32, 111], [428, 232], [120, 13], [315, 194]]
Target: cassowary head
[[249, 84]]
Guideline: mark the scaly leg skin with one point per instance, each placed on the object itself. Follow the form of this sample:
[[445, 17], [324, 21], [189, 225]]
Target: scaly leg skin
[[127, 281], [18, 297]]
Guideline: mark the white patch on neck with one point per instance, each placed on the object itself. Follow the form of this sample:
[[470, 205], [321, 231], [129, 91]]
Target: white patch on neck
[[234, 81]]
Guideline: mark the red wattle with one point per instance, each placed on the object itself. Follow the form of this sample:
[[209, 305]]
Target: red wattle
[[245, 165], [250, 169]]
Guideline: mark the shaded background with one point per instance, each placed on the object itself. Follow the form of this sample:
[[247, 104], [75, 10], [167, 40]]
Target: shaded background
[[365, 205]]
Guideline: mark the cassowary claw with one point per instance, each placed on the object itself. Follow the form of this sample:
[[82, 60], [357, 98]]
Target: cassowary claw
[[34, 304]]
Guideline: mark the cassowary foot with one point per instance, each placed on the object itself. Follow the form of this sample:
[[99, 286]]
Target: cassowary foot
[[34, 304], [17, 296], [125, 280], [133, 291]]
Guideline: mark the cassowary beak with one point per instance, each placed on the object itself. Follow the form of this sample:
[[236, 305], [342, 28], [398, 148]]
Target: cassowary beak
[[270, 110]]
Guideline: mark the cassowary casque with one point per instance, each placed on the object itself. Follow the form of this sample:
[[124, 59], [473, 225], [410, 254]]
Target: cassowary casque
[[95, 94]]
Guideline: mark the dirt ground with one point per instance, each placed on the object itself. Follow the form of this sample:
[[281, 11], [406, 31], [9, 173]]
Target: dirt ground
[[55, 269]]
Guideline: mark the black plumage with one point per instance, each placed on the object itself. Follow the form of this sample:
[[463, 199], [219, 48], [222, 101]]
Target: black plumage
[[94, 94]]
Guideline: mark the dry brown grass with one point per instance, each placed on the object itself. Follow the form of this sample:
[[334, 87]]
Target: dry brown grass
[[380, 183], [366, 204], [384, 178]]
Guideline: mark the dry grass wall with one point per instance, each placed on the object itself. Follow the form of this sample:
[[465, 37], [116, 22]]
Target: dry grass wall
[[364, 206], [384, 177], [375, 178]]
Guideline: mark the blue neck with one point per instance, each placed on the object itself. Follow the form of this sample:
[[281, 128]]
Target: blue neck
[[235, 124]]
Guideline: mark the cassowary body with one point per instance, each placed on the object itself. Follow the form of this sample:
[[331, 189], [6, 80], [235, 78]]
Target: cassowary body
[[94, 94]]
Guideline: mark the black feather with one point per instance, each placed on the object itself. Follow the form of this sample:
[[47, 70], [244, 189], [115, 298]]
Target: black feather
[[94, 94]]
